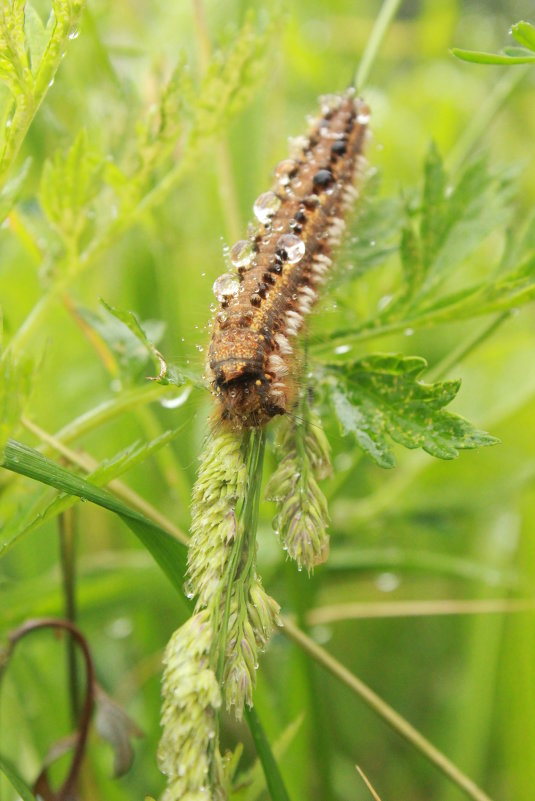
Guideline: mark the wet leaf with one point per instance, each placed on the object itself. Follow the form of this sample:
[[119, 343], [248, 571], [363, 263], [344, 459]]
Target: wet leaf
[[380, 398]]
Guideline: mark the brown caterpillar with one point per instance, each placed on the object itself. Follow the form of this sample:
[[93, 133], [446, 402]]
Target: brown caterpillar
[[281, 265]]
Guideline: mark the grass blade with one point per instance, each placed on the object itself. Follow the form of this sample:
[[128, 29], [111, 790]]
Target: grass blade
[[15, 781], [165, 549], [274, 781]]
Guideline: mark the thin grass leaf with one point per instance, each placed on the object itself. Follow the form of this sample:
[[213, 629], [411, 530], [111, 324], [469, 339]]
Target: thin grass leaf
[[479, 57], [15, 780], [254, 779], [166, 550], [44, 510], [274, 781]]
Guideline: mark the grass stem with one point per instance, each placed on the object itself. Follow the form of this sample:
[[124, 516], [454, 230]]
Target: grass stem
[[385, 711], [382, 22]]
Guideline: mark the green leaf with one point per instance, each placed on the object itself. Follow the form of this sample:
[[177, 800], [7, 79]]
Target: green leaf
[[15, 383], [372, 238], [477, 57], [168, 373], [11, 191], [121, 336], [165, 549], [274, 780], [380, 397], [69, 186], [524, 33], [15, 780], [14, 68], [455, 224], [36, 36], [43, 510], [252, 782], [232, 76]]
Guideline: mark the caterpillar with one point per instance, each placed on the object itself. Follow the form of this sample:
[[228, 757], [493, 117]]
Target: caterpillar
[[281, 265]]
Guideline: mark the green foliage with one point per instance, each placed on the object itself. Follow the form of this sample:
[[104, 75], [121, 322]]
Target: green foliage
[[30, 55], [524, 33], [15, 385], [70, 185], [380, 397], [445, 225], [166, 550], [114, 190], [15, 780]]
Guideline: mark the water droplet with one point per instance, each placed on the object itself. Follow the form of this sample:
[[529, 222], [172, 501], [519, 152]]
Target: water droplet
[[188, 590], [342, 349], [8, 123], [285, 170], [384, 302], [74, 34], [174, 401], [363, 114], [387, 582], [199, 348], [292, 246], [226, 286], [241, 254], [265, 206], [51, 82], [409, 332]]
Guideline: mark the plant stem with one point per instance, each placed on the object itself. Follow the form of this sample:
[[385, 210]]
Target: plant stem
[[393, 609], [386, 712], [465, 348], [384, 18], [67, 545]]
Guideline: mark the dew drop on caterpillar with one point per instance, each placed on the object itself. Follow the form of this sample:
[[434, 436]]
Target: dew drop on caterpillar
[[282, 264]]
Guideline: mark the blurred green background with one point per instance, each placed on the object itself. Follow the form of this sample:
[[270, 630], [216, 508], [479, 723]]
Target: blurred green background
[[424, 531]]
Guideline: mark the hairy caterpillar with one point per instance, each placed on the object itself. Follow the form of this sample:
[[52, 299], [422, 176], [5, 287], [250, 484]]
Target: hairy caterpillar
[[282, 264]]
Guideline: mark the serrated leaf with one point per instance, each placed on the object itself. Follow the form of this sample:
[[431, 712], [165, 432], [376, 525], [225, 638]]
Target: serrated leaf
[[478, 57], [380, 398], [231, 77], [524, 33], [70, 183], [167, 551], [14, 68], [372, 238]]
